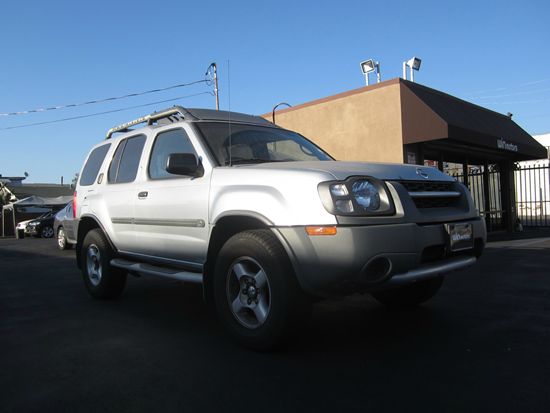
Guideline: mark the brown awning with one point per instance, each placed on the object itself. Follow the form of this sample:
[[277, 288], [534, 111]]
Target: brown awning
[[430, 115]]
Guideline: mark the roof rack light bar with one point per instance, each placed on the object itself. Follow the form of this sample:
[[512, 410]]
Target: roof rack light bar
[[150, 119]]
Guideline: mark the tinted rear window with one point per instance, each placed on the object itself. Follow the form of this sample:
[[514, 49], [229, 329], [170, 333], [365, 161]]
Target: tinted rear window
[[89, 173], [129, 160]]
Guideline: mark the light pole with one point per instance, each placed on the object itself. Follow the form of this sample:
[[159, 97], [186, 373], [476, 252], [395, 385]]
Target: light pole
[[275, 108]]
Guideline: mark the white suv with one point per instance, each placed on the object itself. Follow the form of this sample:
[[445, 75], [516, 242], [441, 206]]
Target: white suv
[[264, 220]]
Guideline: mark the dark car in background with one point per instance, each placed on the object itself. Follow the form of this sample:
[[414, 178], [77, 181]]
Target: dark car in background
[[64, 225], [42, 226]]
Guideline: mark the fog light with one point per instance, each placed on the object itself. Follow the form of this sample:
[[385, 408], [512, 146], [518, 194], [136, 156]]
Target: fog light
[[345, 206]]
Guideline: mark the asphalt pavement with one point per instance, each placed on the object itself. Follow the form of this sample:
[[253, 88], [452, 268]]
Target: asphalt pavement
[[482, 344]]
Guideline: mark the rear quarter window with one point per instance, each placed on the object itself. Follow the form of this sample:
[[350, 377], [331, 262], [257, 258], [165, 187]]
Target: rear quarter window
[[93, 164]]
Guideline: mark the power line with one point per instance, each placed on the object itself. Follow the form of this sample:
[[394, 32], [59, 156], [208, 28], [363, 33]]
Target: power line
[[478, 93], [529, 92], [91, 102], [103, 113], [518, 102]]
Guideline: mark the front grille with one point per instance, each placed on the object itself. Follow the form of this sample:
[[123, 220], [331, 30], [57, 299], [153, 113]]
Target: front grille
[[432, 254], [432, 194], [422, 203], [427, 186], [436, 253]]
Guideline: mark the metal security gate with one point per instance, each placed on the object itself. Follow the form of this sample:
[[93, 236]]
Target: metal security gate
[[487, 199], [532, 182]]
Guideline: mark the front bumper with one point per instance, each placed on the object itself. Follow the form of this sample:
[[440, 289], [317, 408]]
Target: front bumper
[[33, 231], [374, 257]]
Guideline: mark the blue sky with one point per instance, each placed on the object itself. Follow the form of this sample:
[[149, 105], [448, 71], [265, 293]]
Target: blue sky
[[493, 53]]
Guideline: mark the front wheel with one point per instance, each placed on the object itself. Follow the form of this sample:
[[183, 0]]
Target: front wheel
[[257, 296], [410, 295], [100, 278]]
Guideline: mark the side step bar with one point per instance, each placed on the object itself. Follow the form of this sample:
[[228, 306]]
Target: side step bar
[[187, 276]]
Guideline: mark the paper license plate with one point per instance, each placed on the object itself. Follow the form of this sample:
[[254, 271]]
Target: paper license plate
[[461, 236]]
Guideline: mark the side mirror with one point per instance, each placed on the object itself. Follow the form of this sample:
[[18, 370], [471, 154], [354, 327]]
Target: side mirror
[[185, 164]]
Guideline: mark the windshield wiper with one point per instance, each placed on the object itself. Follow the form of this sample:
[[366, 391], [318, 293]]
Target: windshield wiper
[[241, 161]]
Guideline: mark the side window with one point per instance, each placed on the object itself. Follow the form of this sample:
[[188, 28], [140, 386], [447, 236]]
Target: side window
[[125, 162], [89, 173], [166, 143], [113, 168]]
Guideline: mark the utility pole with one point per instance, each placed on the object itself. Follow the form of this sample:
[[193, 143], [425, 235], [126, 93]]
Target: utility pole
[[214, 69], [216, 86]]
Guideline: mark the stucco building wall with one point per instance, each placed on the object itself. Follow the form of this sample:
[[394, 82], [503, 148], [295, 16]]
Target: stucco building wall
[[360, 125]]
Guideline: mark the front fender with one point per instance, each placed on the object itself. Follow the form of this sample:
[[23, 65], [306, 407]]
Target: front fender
[[282, 199]]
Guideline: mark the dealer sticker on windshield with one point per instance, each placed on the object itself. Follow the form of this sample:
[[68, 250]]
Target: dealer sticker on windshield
[[461, 236]]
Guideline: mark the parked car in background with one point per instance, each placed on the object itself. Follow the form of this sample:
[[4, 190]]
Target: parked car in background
[[23, 226], [42, 226], [64, 226]]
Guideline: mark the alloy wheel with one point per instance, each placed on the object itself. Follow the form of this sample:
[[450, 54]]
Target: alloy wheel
[[93, 264], [248, 292], [61, 238]]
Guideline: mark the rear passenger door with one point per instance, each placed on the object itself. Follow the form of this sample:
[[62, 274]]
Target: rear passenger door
[[172, 210], [69, 222], [119, 191]]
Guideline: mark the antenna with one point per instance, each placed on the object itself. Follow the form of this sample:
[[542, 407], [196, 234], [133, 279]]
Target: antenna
[[229, 97]]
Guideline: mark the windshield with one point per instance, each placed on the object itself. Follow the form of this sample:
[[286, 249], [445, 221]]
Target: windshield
[[247, 144]]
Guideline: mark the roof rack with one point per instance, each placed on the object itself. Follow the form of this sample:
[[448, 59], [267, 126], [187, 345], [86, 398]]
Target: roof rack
[[173, 114]]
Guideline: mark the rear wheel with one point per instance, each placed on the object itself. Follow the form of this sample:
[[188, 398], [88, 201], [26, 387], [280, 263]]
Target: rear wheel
[[100, 278], [410, 295], [62, 242], [257, 297]]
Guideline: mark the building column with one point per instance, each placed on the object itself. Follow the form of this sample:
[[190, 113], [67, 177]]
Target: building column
[[413, 154], [465, 172], [486, 196], [440, 162], [508, 195]]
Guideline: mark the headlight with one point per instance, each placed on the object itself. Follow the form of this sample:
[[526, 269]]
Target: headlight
[[358, 196], [366, 195]]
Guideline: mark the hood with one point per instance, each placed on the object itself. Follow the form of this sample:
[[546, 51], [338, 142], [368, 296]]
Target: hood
[[43, 219], [342, 170]]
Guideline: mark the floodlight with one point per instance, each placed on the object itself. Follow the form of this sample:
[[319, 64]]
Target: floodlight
[[369, 66], [414, 64]]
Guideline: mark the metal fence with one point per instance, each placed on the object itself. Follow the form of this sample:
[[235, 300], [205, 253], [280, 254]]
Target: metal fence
[[532, 182], [532, 189], [487, 200]]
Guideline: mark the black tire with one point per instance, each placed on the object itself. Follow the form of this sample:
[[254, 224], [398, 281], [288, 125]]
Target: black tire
[[410, 295], [47, 232], [101, 279], [259, 312], [62, 242]]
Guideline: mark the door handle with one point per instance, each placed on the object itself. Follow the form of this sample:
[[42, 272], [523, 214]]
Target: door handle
[[143, 194]]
